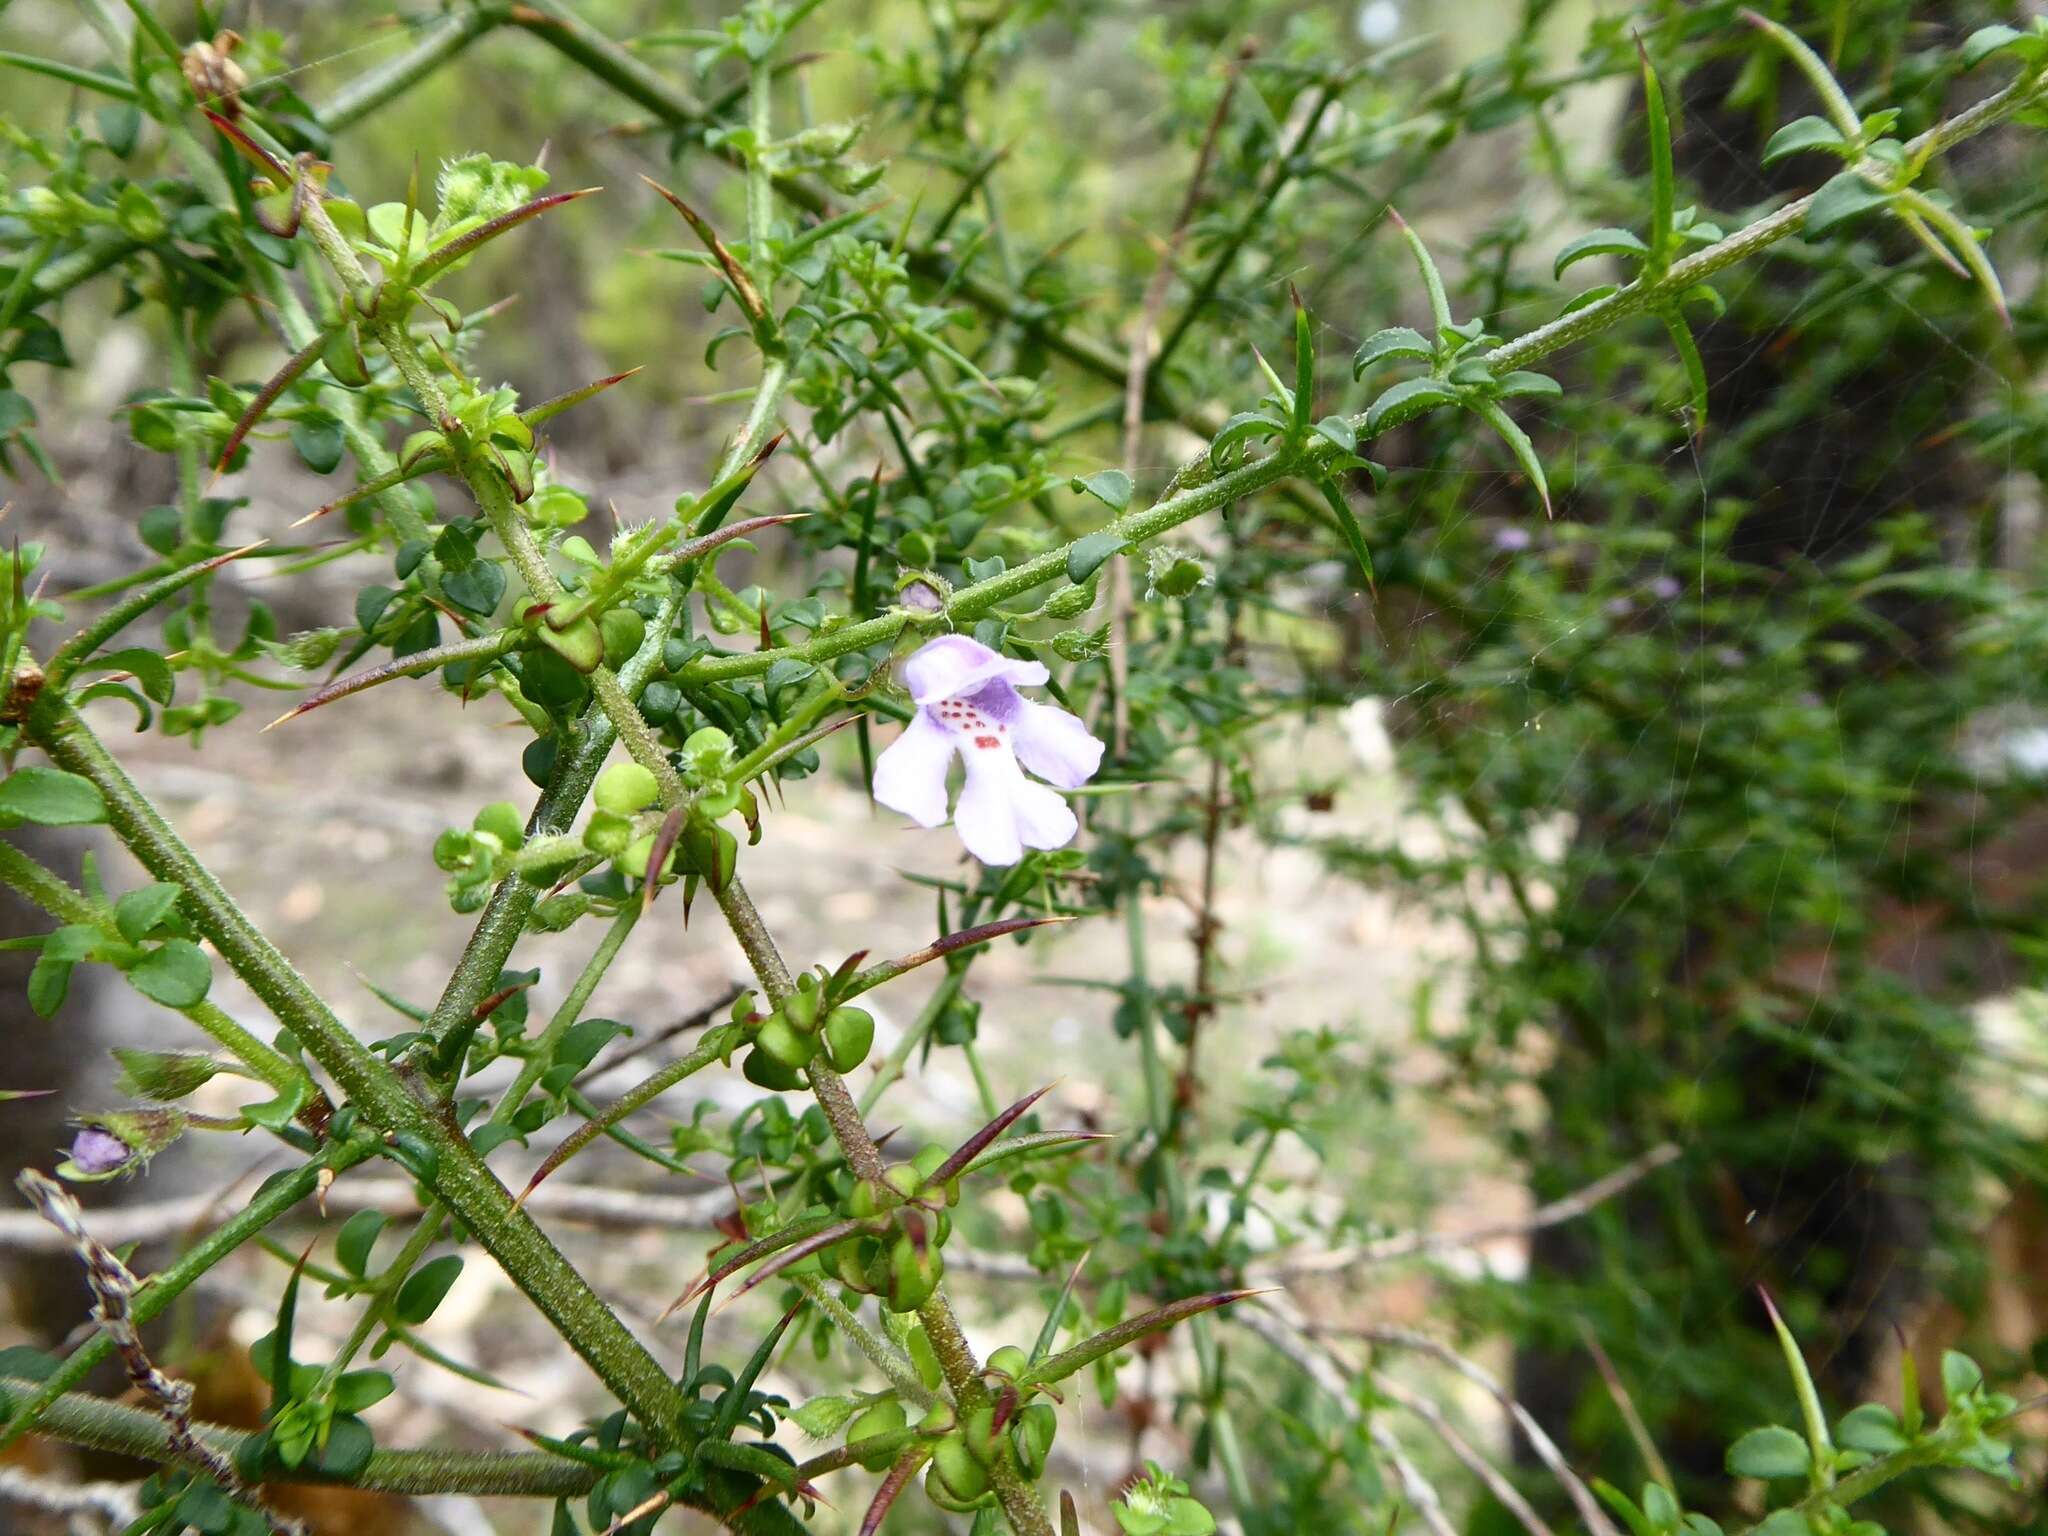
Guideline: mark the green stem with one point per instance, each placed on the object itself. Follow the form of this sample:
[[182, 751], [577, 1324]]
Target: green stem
[[1747, 241], [982, 1088], [883, 1355], [1156, 1112], [80, 1419], [444, 40], [1285, 170], [1019, 1499], [423, 1237], [1870, 1477], [760, 188], [531, 1069]]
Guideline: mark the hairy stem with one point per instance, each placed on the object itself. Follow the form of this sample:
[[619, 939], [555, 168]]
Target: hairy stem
[[93, 1422], [446, 38]]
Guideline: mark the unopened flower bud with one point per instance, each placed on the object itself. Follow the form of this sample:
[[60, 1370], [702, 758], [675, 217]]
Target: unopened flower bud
[[1081, 644], [921, 593], [623, 630], [120, 1142], [1070, 602], [503, 822], [96, 1154], [1174, 572], [163, 1075]]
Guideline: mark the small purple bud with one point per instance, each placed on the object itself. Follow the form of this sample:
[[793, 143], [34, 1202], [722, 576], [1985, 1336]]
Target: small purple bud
[[95, 1151], [1619, 607], [1512, 539], [922, 596], [1665, 588]]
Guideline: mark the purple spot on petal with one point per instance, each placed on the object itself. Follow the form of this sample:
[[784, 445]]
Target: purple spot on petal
[[998, 701]]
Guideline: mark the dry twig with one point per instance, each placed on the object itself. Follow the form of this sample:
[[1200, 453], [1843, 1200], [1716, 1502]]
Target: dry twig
[[113, 1292]]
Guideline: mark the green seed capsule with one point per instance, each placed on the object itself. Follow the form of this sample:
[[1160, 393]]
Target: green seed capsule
[[802, 1008], [845, 1262], [849, 1035], [343, 356], [1032, 1437], [608, 833], [956, 1482], [633, 861], [978, 1434], [785, 1044], [624, 788], [580, 644], [914, 1273], [714, 804], [1010, 1360], [504, 821], [622, 630], [886, 1418], [764, 1071], [903, 1178]]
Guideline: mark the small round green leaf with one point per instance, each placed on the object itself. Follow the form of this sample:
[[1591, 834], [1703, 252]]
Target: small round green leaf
[[49, 797], [1773, 1451], [1088, 553], [357, 1237], [1802, 134], [1871, 1427], [139, 911], [1842, 199], [1395, 344], [356, 1390], [176, 974], [425, 1288], [1111, 487], [1600, 242], [1406, 401]]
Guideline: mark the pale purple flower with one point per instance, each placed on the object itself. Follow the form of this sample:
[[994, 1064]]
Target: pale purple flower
[[98, 1151], [967, 703], [1511, 539], [1665, 588]]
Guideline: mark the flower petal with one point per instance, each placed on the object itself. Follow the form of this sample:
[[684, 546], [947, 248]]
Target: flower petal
[[1055, 745], [953, 665], [1043, 819], [911, 775], [1001, 812]]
